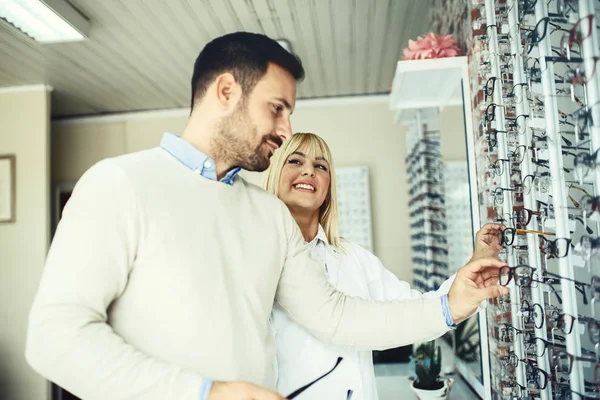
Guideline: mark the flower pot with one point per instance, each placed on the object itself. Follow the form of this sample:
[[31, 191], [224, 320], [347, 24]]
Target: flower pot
[[438, 394]]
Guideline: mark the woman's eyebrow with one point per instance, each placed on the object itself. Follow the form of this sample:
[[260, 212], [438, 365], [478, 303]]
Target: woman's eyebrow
[[301, 154]]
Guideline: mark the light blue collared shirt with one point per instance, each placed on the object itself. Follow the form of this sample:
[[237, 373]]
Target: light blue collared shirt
[[194, 159], [447, 313]]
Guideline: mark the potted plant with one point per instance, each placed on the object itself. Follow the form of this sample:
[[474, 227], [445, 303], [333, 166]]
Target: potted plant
[[428, 363]]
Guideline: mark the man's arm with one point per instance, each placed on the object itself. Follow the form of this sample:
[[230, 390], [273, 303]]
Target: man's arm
[[336, 318], [384, 285], [68, 340]]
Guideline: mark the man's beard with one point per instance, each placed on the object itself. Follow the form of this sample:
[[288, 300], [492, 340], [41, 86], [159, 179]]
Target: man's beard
[[233, 142]]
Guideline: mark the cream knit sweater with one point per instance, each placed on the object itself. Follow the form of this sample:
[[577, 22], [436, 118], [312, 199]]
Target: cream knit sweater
[[157, 277]]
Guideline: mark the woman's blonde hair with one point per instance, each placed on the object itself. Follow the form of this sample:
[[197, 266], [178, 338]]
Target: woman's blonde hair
[[316, 146]]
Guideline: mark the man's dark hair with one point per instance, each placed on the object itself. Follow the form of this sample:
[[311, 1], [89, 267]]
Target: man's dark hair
[[246, 56]]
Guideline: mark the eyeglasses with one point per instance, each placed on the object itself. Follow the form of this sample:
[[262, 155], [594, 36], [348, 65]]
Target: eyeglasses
[[523, 216], [516, 96], [575, 75], [580, 31], [440, 239], [583, 119], [589, 245], [535, 36], [496, 168], [563, 362], [585, 162], [557, 248], [488, 88], [438, 199], [295, 393], [532, 313], [434, 249], [515, 126], [537, 346], [507, 236], [426, 261], [498, 194], [562, 391], [434, 225], [590, 205], [521, 275], [537, 375], [549, 279], [492, 137], [562, 321], [490, 111], [507, 332], [513, 389], [593, 328]]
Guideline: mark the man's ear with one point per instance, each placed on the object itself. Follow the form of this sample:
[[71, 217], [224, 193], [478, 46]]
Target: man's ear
[[228, 91]]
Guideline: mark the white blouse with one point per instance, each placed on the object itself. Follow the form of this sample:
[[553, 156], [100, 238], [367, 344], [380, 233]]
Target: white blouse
[[301, 358]]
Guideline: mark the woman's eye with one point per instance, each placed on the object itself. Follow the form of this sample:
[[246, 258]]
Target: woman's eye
[[324, 168], [293, 161]]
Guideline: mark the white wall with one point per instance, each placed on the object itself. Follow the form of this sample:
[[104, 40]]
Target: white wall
[[359, 131], [24, 131]]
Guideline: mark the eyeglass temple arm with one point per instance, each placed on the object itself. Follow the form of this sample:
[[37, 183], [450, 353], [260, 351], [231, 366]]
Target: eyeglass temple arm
[[303, 388]]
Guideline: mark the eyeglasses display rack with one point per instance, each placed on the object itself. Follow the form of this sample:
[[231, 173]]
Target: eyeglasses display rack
[[427, 202], [536, 148]]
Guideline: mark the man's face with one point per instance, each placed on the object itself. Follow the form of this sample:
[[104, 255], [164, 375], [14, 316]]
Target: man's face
[[260, 122]]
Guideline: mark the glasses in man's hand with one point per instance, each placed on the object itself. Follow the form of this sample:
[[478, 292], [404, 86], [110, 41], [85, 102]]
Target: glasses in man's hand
[[295, 393]]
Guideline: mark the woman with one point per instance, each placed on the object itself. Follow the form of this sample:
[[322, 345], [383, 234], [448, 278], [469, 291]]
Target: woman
[[302, 175]]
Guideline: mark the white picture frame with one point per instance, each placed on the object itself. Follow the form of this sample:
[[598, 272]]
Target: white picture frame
[[7, 188]]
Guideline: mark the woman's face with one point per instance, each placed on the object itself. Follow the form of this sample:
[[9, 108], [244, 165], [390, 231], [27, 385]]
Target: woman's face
[[304, 181]]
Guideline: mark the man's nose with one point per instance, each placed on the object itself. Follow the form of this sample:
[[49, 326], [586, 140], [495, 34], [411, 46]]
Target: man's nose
[[284, 129]]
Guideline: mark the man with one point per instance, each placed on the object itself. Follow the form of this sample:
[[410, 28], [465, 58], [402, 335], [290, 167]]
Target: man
[[165, 266]]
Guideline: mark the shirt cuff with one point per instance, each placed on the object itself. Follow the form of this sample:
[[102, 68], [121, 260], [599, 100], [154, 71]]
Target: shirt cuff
[[205, 389], [447, 313]]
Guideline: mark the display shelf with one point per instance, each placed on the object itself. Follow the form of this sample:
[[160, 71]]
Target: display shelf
[[420, 85]]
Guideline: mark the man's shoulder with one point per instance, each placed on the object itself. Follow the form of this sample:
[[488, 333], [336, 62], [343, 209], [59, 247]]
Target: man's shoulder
[[139, 159], [121, 168], [266, 201], [257, 191]]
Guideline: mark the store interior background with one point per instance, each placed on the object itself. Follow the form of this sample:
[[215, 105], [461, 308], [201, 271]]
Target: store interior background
[[54, 146]]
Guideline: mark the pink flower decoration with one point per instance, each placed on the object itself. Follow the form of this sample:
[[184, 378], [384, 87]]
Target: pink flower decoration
[[431, 46]]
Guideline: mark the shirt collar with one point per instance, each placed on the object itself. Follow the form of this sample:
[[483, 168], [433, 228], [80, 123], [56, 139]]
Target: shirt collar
[[194, 159], [321, 237]]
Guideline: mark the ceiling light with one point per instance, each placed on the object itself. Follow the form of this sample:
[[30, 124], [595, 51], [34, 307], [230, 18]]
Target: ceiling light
[[46, 21]]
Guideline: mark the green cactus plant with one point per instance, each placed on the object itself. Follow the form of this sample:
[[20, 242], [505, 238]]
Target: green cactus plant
[[428, 365]]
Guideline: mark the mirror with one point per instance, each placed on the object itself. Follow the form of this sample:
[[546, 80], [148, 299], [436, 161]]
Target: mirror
[[441, 222]]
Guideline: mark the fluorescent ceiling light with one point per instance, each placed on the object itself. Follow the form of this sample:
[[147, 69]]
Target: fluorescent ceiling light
[[46, 21]]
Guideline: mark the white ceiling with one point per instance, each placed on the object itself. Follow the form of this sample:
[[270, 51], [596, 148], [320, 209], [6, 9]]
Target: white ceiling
[[140, 53]]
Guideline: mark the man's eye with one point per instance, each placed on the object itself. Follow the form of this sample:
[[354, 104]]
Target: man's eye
[[277, 108]]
